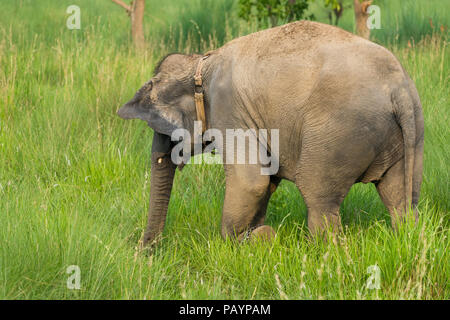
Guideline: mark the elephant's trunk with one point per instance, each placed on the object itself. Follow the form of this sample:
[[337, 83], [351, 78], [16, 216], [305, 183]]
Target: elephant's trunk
[[162, 174]]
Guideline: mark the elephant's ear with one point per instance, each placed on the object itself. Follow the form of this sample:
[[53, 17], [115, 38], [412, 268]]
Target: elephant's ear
[[161, 118]]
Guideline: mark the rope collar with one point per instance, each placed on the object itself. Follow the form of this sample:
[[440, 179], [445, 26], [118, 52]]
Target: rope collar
[[199, 93]]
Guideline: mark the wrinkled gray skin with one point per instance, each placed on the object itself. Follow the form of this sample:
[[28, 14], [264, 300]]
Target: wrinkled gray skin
[[346, 110]]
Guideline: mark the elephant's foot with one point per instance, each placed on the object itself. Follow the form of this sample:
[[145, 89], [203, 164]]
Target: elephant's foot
[[261, 233]]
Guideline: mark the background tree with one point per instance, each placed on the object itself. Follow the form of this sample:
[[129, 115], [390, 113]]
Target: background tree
[[272, 11], [136, 12], [337, 12], [361, 17], [284, 11], [335, 9]]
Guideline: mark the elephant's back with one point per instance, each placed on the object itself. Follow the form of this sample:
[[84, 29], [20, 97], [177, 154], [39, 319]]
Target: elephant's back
[[307, 46], [299, 55], [300, 36]]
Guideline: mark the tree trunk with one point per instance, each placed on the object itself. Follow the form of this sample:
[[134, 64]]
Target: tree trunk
[[137, 22], [136, 13], [361, 16]]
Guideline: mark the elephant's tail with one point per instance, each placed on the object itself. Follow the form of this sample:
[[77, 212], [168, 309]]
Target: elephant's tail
[[403, 107]]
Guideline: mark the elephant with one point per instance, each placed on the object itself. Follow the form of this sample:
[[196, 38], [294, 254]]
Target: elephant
[[345, 109]]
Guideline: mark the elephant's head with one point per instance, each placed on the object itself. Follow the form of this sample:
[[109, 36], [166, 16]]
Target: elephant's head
[[166, 103]]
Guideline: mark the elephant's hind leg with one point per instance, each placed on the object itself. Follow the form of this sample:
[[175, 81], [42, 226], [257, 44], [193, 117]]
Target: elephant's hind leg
[[247, 194], [323, 192], [323, 213], [391, 190]]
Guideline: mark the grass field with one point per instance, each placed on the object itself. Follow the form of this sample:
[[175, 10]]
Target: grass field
[[74, 178]]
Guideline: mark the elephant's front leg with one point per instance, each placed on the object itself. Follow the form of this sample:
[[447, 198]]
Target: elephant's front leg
[[247, 193]]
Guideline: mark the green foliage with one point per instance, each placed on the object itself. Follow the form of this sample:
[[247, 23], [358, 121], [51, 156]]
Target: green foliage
[[334, 4], [272, 11]]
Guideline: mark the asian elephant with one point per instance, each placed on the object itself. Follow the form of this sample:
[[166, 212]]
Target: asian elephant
[[345, 109]]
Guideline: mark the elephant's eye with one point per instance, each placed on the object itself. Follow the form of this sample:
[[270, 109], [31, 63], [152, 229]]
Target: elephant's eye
[[150, 85]]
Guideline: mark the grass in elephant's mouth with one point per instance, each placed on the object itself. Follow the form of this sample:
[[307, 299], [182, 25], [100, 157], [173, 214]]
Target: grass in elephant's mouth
[[74, 183]]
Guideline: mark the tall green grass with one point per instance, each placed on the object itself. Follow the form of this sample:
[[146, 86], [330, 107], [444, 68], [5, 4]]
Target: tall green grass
[[410, 20], [400, 21], [74, 179]]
